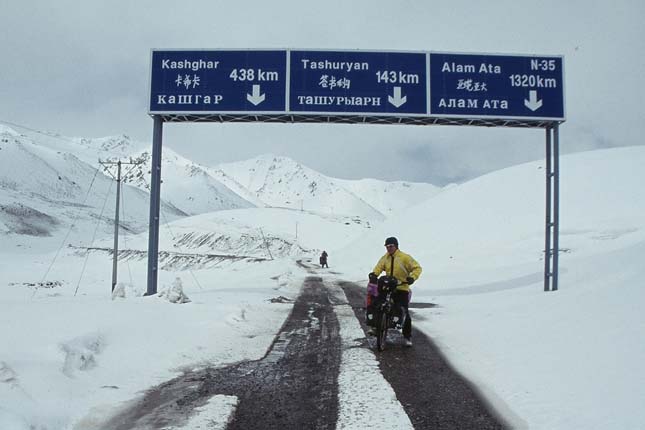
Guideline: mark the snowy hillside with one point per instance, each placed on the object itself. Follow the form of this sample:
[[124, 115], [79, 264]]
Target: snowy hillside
[[185, 184], [255, 234], [89, 150], [266, 181], [54, 188], [390, 197], [281, 182], [546, 358], [45, 192], [504, 210]]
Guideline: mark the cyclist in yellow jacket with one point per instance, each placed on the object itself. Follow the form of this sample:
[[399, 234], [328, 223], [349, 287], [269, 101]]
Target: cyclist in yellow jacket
[[406, 270]]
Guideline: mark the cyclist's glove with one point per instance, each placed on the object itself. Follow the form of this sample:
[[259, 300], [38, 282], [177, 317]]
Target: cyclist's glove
[[373, 278], [409, 280]]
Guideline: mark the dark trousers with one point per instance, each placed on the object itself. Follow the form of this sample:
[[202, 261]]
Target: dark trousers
[[402, 298]]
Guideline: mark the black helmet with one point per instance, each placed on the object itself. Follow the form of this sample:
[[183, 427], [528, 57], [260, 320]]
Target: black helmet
[[392, 241]]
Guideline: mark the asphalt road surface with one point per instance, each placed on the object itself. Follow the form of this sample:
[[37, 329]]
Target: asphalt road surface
[[432, 393], [295, 385]]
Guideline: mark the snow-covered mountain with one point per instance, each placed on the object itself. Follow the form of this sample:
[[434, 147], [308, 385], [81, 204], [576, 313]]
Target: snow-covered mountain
[[390, 197], [49, 193], [89, 150], [282, 182], [53, 187], [185, 184], [265, 181]]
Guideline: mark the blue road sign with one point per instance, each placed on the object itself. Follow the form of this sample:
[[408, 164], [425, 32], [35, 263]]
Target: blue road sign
[[497, 86], [352, 82], [218, 81], [357, 83]]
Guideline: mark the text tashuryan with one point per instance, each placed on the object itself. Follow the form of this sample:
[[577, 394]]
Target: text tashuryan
[[334, 65]]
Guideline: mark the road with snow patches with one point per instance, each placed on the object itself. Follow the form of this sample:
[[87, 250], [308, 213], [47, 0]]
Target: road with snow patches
[[319, 374]]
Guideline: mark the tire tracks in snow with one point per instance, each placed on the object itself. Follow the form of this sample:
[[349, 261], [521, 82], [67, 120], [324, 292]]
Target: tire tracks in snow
[[295, 386], [321, 373]]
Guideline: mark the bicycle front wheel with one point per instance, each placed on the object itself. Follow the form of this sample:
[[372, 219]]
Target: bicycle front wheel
[[381, 330]]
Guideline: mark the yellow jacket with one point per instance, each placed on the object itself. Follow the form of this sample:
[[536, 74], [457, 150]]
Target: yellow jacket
[[400, 265]]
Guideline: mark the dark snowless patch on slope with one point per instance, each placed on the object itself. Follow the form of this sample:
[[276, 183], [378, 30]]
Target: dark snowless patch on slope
[[21, 219], [293, 387]]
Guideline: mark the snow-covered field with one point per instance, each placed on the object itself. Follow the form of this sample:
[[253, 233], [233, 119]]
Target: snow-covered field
[[72, 353]]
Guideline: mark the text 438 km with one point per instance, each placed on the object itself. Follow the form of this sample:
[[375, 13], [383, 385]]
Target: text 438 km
[[253, 75]]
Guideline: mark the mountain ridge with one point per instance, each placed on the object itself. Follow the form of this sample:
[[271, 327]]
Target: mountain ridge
[[264, 181], [50, 184]]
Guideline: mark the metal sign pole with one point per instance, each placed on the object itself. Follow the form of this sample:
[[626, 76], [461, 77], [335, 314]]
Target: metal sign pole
[[155, 199], [556, 205], [548, 225], [115, 258]]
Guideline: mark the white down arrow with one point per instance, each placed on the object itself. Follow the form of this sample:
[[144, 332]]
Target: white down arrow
[[397, 100], [256, 98], [533, 103]]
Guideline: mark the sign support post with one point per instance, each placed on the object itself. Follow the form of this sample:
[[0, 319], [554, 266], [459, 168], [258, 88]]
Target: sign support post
[[155, 200], [556, 205], [115, 257], [552, 233], [548, 205]]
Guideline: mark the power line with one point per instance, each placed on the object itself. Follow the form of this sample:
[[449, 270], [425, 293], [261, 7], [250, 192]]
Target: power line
[[93, 238], [72, 225]]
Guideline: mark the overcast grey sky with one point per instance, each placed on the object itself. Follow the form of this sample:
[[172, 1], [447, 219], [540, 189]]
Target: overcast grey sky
[[81, 68]]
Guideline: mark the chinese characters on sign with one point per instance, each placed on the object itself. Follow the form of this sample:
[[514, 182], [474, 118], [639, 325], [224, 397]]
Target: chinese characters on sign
[[332, 82], [187, 81]]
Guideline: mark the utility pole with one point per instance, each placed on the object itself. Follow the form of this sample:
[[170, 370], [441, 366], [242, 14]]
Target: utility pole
[[106, 168], [266, 244]]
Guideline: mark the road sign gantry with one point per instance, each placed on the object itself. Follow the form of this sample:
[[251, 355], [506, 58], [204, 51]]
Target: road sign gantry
[[371, 87], [417, 86]]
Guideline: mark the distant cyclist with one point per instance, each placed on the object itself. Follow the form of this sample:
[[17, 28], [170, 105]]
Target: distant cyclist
[[406, 270], [323, 260]]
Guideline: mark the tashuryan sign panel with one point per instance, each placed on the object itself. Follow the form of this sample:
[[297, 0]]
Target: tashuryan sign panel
[[404, 84]]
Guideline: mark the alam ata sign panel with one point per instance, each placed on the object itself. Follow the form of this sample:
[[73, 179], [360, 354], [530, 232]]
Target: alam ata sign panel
[[470, 85], [357, 83]]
